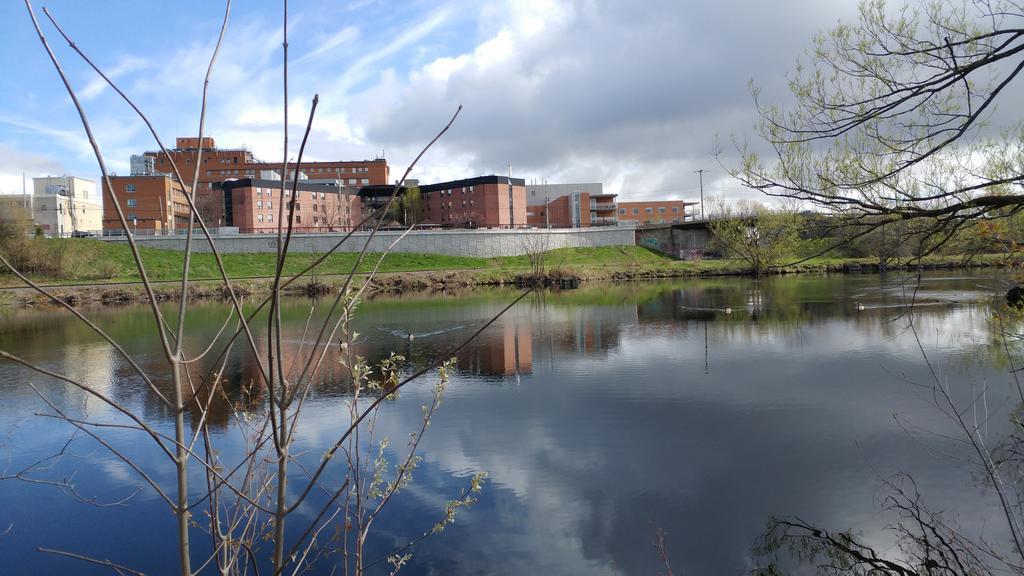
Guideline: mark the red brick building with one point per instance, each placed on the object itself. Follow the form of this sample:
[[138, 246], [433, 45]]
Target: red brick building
[[654, 212], [155, 204], [570, 205], [220, 164], [482, 202], [576, 210], [253, 206]]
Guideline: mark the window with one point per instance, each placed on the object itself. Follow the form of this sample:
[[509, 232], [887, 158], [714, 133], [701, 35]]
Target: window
[[259, 192], [622, 211], [636, 211], [132, 216], [471, 189], [259, 204], [259, 217], [129, 188], [365, 181], [270, 217], [131, 203], [351, 181], [323, 195], [661, 210], [649, 210], [314, 209], [270, 204], [298, 219], [675, 209]]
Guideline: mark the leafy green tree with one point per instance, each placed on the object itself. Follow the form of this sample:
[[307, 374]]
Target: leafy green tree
[[888, 119], [888, 129], [409, 208], [756, 234]]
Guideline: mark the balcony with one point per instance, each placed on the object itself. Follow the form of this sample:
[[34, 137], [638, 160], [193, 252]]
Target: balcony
[[603, 206]]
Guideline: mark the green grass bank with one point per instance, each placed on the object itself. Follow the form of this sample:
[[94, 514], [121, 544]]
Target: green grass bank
[[75, 262]]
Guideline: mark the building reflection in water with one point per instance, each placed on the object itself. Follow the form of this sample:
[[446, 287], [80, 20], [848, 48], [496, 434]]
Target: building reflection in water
[[503, 350]]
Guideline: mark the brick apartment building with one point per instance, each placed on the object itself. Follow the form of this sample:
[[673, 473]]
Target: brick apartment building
[[155, 204], [252, 206], [482, 202], [220, 164], [574, 209], [654, 212]]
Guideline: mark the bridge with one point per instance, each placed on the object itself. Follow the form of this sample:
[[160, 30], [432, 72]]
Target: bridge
[[686, 240]]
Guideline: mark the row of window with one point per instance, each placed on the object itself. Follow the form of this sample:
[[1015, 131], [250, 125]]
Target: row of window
[[269, 205], [306, 170], [462, 190], [317, 220], [449, 204], [636, 211], [288, 193]]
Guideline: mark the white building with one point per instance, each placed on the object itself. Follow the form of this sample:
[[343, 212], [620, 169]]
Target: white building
[[77, 188], [63, 205]]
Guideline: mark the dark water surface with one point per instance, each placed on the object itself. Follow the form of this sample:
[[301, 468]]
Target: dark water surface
[[595, 413]]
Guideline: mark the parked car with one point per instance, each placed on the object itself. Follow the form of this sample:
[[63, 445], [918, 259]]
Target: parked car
[[82, 234]]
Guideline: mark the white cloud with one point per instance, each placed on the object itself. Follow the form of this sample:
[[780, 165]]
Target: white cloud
[[97, 85], [346, 35]]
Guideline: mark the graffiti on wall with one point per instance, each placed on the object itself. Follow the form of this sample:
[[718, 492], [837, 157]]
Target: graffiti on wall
[[653, 243]]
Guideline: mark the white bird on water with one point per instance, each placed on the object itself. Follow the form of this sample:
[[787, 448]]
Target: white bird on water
[[858, 306]]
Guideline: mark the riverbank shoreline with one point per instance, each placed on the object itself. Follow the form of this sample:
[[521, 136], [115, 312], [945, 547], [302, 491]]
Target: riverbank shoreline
[[397, 283]]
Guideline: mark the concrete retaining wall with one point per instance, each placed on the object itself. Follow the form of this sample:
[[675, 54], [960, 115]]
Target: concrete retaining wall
[[673, 240], [480, 243]]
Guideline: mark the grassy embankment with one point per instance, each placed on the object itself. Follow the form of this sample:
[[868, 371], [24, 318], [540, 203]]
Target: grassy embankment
[[86, 261]]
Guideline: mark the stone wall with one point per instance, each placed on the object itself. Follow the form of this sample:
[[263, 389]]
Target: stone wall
[[480, 243]]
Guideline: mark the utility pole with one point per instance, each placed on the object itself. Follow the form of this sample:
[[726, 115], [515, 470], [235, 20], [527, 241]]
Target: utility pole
[[547, 207], [700, 174], [511, 211]]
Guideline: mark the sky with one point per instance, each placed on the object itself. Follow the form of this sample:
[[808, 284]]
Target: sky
[[636, 95]]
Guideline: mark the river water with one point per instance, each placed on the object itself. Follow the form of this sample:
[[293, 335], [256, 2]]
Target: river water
[[596, 413]]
